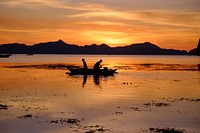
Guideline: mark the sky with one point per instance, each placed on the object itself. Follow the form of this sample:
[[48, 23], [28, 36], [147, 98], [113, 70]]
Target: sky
[[166, 23]]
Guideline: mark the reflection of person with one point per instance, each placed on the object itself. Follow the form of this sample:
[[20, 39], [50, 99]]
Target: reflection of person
[[84, 64], [84, 80], [97, 65], [96, 79]]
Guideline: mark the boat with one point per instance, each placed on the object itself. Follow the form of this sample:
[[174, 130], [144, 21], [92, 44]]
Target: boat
[[82, 71], [5, 55], [29, 54]]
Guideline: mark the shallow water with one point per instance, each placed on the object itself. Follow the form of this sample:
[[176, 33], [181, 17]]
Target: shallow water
[[108, 59], [147, 92]]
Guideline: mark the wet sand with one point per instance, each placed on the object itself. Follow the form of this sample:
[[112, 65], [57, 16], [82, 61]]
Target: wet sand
[[140, 99]]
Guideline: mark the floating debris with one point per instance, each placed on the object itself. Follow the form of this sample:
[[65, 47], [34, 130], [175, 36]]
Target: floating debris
[[166, 130], [156, 104], [159, 67], [25, 116], [135, 108], [127, 83], [176, 80], [46, 66], [118, 112], [63, 120], [97, 128], [54, 121], [100, 130], [73, 121], [3, 106], [189, 99], [180, 99]]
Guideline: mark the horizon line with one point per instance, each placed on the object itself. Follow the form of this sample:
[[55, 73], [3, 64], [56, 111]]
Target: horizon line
[[96, 44]]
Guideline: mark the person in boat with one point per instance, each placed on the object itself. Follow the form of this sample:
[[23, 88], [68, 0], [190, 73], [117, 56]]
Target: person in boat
[[97, 65], [84, 64]]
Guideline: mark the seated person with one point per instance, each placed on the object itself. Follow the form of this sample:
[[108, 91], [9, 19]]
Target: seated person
[[97, 65]]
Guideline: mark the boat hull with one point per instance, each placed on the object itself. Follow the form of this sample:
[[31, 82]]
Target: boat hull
[[81, 71]]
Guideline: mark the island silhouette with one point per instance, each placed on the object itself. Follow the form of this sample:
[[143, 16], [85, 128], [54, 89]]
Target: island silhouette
[[60, 47]]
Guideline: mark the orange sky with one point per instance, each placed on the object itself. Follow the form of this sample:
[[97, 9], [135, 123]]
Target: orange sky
[[168, 24]]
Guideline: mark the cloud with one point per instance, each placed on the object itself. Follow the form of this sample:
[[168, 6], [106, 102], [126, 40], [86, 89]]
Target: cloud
[[102, 11], [103, 23], [104, 14], [160, 17], [16, 31], [52, 4], [174, 18]]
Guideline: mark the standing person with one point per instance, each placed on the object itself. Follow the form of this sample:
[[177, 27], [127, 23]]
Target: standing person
[[84, 64], [97, 65]]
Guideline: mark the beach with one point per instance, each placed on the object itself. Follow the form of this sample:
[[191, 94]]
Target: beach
[[147, 94]]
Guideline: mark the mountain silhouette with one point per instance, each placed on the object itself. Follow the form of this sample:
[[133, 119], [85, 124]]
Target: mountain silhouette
[[195, 51], [60, 47]]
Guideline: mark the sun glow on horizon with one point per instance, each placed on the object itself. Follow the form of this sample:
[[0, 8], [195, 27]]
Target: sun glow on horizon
[[168, 25]]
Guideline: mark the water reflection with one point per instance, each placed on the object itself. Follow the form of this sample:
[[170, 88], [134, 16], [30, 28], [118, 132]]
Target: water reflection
[[84, 80], [198, 67], [95, 79]]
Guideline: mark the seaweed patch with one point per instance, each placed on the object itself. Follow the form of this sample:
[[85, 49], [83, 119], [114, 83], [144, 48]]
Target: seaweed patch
[[159, 104], [166, 130], [3, 107]]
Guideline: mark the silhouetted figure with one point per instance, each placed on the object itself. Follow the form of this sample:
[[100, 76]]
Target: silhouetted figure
[[97, 65], [198, 48], [84, 64]]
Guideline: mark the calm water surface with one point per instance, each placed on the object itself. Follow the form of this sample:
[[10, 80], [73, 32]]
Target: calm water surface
[[147, 92], [121, 59]]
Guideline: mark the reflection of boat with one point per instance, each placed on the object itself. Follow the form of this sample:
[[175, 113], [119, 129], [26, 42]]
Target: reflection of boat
[[5, 55], [81, 71], [30, 54], [95, 79]]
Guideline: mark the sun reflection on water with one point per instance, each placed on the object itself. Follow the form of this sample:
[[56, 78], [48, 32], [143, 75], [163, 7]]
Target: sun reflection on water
[[44, 92]]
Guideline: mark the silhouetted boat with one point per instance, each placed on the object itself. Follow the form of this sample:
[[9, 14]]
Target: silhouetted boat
[[81, 71], [30, 54], [5, 55]]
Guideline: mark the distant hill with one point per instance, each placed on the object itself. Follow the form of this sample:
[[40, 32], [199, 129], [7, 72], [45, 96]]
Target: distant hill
[[60, 47], [195, 51]]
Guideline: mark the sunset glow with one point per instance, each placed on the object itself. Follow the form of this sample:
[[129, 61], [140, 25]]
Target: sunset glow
[[168, 24]]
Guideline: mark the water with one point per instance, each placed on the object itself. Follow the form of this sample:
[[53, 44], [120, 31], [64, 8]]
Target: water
[[120, 59], [145, 90]]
